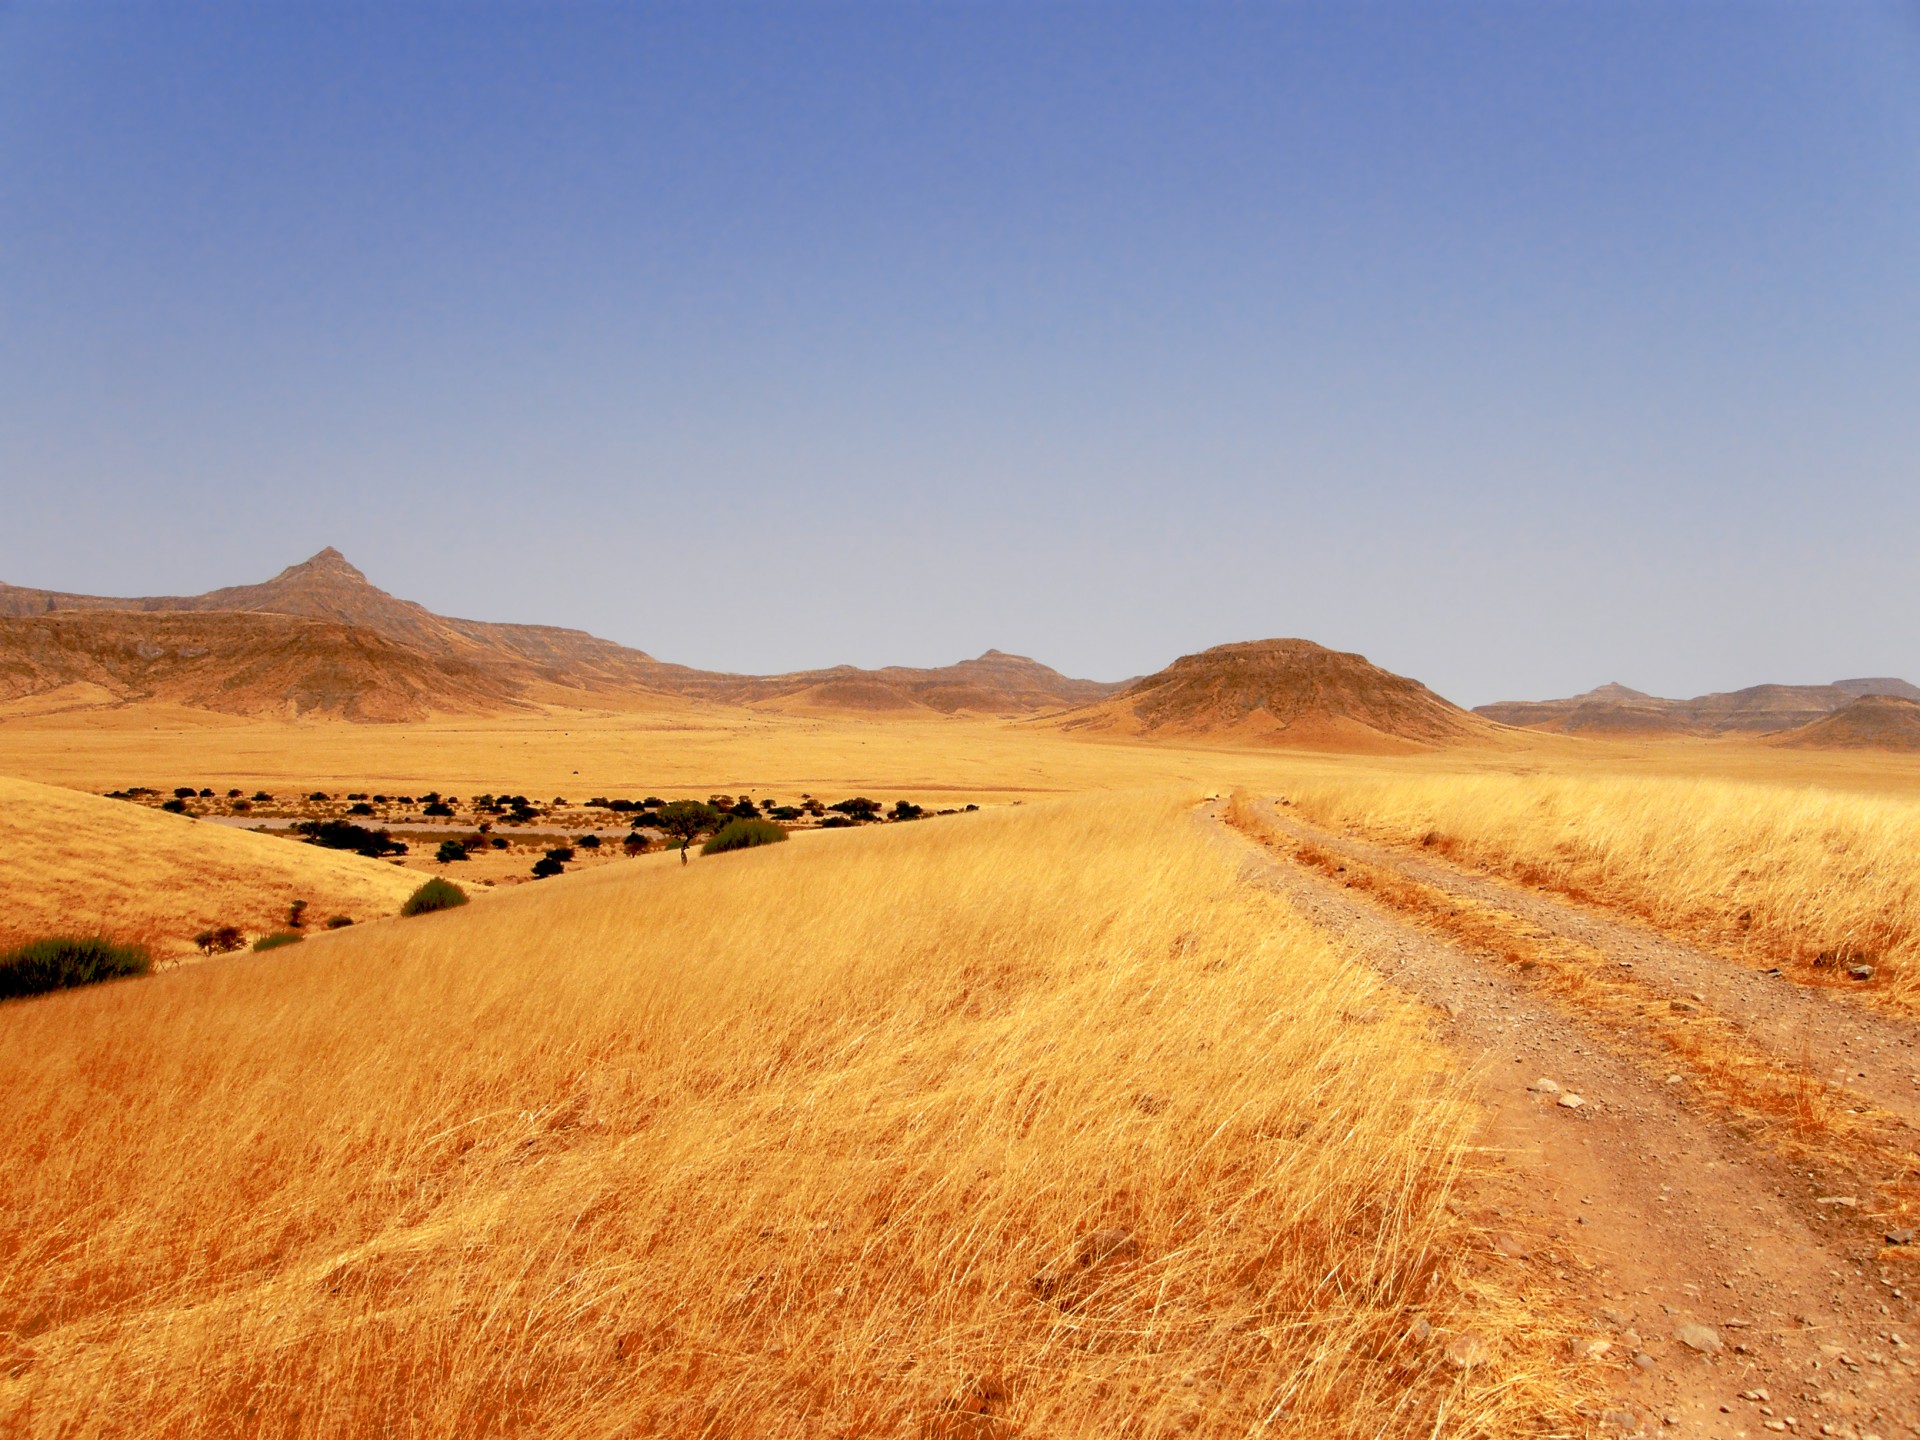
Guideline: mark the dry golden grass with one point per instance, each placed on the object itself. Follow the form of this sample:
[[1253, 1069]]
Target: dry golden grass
[[73, 863], [1025, 1122], [1816, 879]]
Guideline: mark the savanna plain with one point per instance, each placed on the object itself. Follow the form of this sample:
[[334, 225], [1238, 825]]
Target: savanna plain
[[1536, 1086]]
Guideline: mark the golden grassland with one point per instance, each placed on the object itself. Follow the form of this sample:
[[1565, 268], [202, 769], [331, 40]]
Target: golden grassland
[[1818, 879], [79, 864], [695, 749], [1029, 1121]]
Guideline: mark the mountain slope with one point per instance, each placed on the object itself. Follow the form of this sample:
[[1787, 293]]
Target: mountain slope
[[328, 587], [241, 664], [1284, 692]]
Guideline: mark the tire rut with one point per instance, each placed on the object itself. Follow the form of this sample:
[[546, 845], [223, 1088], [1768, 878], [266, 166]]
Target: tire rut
[[1652, 1216], [1875, 1056]]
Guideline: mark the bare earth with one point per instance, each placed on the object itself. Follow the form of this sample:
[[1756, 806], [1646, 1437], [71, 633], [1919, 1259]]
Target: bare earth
[[1726, 1300]]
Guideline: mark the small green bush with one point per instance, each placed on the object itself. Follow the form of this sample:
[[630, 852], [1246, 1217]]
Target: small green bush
[[339, 922], [450, 851], [61, 961], [278, 939], [743, 835], [436, 894], [221, 940], [546, 866]]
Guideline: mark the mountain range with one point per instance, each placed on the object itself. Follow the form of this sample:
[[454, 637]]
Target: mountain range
[[1759, 709], [320, 638]]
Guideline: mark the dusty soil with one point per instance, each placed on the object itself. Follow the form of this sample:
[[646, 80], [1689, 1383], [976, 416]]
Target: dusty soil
[[1726, 1299]]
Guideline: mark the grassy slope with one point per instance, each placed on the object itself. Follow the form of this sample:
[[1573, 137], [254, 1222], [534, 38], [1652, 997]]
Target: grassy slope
[[809, 1140], [78, 863], [1814, 878]]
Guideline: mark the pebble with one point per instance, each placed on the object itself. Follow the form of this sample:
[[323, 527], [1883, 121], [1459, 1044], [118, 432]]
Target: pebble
[[1683, 1007], [1861, 972], [1902, 1236], [1467, 1352], [1571, 1102], [1703, 1338], [1544, 1086]]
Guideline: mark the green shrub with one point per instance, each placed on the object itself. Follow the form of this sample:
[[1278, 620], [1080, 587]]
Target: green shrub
[[339, 922], [436, 894], [546, 866], [449, 851], [221, 940], [743, 835], [61, 961], [344, 835], [278, 939]]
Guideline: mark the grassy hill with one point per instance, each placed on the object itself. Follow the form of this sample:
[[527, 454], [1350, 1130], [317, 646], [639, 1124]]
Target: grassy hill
[[77, 863]]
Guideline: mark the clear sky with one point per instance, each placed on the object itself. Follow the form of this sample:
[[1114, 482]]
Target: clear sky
[[1520, 347]]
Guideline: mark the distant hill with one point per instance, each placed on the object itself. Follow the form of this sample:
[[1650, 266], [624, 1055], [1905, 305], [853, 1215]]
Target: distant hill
[[321, 638], [1758, 709], [1286, 693], [1872, 722]]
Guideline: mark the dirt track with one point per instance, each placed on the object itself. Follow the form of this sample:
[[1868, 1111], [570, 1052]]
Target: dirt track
[[1644, 1203]]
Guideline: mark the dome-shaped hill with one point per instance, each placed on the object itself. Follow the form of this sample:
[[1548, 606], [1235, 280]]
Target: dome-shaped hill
[[1289, 693], [1873, 722]]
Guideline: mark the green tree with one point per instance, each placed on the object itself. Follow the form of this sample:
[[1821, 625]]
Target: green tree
[[687, 820]]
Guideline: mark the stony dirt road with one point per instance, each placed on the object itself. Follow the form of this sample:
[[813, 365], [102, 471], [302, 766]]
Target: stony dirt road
[[1725, 1299]]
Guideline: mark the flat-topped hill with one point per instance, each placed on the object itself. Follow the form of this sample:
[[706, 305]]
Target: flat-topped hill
[[1873, 722], [1285, 692]]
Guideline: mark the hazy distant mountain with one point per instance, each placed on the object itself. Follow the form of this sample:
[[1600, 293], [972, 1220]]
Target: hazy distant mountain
[[1759, 709], [1284, 692], [366, 655]]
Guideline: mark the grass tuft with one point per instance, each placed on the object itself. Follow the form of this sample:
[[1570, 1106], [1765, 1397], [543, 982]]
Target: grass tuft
[[743, 835], [59, 962], [436, 894]]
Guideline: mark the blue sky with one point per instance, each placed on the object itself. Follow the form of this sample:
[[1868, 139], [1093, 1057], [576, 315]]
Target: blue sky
[[1520, 347]]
